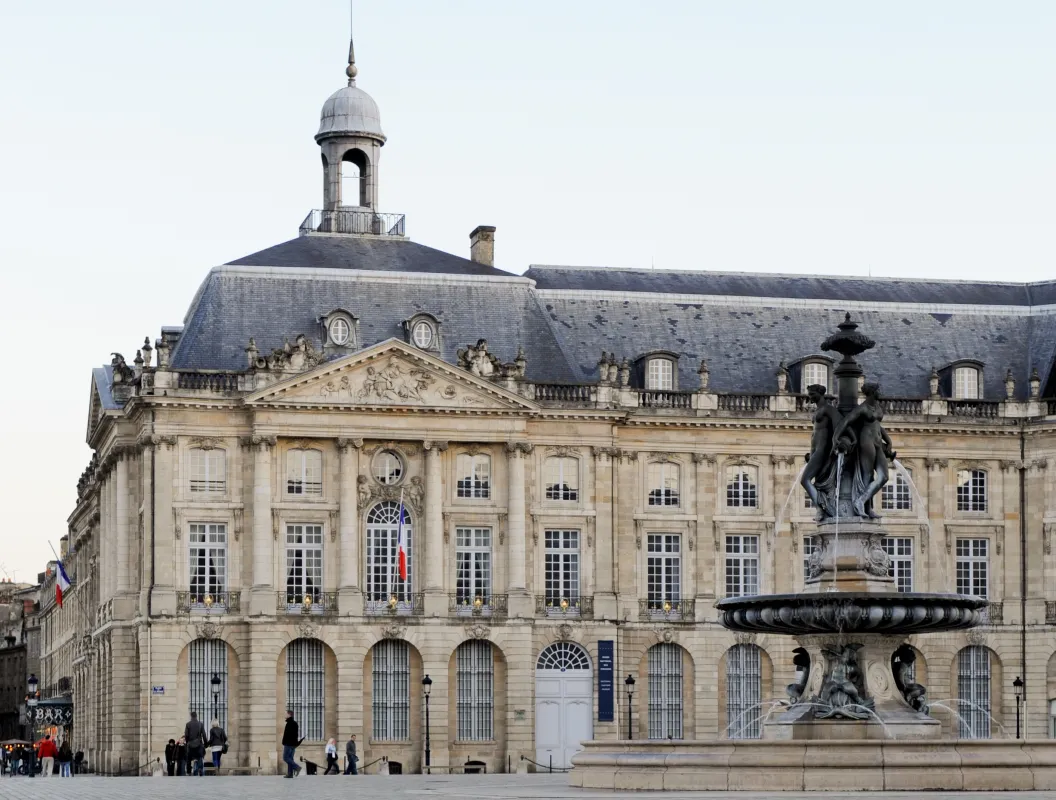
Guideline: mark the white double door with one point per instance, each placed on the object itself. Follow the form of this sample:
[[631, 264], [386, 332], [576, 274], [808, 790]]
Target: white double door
[[563, 714]]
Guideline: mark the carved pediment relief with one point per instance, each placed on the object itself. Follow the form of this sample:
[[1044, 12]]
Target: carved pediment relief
[[391, 374]]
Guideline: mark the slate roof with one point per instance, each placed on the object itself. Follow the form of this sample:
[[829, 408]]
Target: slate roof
[[364, 252], [564, 324]]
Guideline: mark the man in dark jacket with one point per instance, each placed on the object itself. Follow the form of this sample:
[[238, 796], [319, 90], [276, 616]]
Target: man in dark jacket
[[350, 756], [170, 757], [290, 743], [194, 734]]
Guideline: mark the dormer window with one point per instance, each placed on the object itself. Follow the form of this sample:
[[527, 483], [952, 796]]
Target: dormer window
[[966, 383], [340, 327], [814, 373], [423, 331], [659, 375]]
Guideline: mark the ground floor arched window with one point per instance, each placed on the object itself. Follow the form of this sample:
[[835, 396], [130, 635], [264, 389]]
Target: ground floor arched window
[[208, 658], [475, 678], [973, 693], [305, 681], [391, 684], [665, 691], [744, 684]]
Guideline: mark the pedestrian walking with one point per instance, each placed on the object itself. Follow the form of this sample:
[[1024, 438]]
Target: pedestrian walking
[[194, 734], [65, 757], [290, 743], [217, 743], [350, 756], [181, 757], [48, 751], [15, 760], [170, 757], [331, 757]]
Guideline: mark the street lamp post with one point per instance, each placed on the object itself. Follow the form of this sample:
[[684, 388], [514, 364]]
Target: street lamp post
[[1017, 687], [215, 686], [31, 705], [629, 683], [427, 685]]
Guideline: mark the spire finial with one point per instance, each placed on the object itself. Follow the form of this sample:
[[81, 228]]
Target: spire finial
[[351, 70]]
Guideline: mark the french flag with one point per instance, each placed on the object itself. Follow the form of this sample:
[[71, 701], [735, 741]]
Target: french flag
[[401, 540], [62, 583]]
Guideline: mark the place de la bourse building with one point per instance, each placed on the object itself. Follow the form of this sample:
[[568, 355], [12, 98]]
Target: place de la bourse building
[[588, 459]]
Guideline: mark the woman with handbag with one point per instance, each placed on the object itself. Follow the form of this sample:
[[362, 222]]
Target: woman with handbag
[[217, 743]]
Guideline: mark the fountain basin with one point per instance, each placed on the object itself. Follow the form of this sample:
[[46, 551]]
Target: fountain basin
[[851, 613]]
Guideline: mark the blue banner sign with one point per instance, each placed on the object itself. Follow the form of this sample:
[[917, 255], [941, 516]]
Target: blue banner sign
[[606, 679]]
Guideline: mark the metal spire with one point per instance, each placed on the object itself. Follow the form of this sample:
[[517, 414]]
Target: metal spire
[[351, 70]]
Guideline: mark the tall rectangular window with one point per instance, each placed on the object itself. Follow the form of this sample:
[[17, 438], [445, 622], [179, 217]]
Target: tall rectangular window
[[304, 563], [207, 557], [742, 487], [810, 545], [663, 484], [742, 566], [474, 476], [562, 479], [815, 374], [665, 691], [472, 565], [973, 689], [304, 686], [900, 551], [966, 383], [206, 658], [208, 471], [744, 689], [896, 495], [663, 568], [971, 490], [391, 683], [973, 567], [304, 472], [660, 375], [561, 566], [475, 701]]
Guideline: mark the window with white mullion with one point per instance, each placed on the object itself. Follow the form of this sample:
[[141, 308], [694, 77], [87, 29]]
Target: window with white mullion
[[305, 682], [665, 691], [742, 566], [472, 565], [973, 567], [971, 490], [206, 658], [660, 375], [896, 495], [474, 476], [207, 559], [304, 472], [810, 545], [663, 484], [744, 688], [742, 490], [391, 683], [562, 479], [475, 681], [966, 383], [663, 568], [900, 551], [208, 471], [382, 561], [973, 692], [561, 566], [304, 563]]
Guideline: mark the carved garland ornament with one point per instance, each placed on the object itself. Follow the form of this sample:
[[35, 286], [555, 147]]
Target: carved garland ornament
[[208, 630], [306, 630], [393, 630], [478, 631]]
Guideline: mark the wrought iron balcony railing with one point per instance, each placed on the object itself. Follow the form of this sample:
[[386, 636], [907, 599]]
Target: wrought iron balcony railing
[[669, 610], [487, 605], [363, 222], [309, 603], [993, 614], [1050, 612], [407, 604], [197, 601], [560, 607]]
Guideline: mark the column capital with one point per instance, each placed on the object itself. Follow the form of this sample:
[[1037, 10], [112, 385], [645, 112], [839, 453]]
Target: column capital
[[259, 442], [344, 444], [428, 445], [150, 441], [704, 458], [936, 463], [603, 453], [524, 448]]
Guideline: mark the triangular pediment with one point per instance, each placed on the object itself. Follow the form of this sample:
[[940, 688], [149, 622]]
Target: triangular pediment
[[391, 374]]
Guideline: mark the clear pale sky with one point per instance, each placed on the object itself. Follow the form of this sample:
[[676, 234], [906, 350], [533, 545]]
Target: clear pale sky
[[144, 142]]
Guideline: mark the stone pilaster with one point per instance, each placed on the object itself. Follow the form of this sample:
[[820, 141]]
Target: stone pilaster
[[519, 599], [704, 480], [163, 595], [605, 508], [349, 599], [435, 601], [939, 565], [262, 595]]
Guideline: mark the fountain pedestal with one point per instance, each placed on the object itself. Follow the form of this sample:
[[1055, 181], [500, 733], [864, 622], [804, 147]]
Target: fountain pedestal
[[849, 557]]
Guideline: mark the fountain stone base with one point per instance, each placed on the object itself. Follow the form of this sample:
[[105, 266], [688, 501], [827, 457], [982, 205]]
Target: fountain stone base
[[849, 557]]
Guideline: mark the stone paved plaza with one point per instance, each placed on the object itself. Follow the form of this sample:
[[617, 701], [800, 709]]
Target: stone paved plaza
[[406, 787]]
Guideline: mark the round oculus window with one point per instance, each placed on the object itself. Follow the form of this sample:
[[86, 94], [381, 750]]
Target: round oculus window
[[340, 331], [422, 334], [388, 469]]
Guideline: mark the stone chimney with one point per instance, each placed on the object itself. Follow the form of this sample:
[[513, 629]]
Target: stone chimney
[[482, 245]]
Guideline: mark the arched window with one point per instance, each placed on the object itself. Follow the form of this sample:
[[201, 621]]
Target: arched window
[[391, 682], [562, 479], [304, 472], [742, 490], [973, 693], [475, 701], [354, 171], [206, 658], [305, 681], [208, 470], [383, 568], [896, 495], [744, 689], [563, 656], [971, 490], [966, 383], [474, 476], [665, 691], [663, 484]]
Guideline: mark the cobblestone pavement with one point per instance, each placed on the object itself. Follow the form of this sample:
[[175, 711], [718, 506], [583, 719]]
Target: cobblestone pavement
[[404, 787]]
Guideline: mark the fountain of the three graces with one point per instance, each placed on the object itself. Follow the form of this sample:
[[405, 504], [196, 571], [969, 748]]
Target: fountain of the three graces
[[855, 717]]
